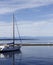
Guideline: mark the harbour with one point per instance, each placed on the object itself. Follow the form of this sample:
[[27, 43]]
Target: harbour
[[26, 32]]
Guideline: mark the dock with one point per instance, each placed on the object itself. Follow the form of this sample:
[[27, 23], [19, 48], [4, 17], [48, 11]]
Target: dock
[[27, 44], [37, 44]]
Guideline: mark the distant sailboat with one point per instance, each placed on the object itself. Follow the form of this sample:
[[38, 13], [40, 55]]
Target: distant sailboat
[[11, 46]]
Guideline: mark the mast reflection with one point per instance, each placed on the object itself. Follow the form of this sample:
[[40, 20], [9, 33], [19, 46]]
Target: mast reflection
[[15, 57]]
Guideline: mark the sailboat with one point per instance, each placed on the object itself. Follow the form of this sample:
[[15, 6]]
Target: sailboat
[[11, 47]]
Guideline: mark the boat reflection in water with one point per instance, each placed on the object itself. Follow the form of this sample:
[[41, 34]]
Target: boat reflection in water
[[10, 58]]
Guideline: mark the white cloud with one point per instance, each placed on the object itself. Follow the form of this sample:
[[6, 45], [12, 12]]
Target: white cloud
[[13, 5], [7, 10], [39, 28], [5, 29], [26, 28]]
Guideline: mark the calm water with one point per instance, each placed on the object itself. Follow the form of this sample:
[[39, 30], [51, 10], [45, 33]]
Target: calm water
[[30, 55]]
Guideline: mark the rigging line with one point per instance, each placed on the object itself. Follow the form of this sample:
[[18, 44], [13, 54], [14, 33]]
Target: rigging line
[[18, 33], [13, 30]]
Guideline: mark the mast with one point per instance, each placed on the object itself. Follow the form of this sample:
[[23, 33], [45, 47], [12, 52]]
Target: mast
[[13, 31]]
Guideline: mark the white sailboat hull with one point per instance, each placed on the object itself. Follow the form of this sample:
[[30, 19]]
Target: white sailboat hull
[[9, 49]]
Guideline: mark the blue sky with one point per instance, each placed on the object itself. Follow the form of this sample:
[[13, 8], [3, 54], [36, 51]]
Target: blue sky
[[33, 17]]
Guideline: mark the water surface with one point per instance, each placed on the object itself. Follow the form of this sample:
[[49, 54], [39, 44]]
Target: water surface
[[31, 55]]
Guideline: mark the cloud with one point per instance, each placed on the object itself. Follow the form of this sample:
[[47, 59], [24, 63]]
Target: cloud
[[39, 28], [13, 5], [5, 29], [7, 10]]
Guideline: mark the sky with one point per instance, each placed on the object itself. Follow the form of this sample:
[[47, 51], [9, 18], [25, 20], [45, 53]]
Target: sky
[[33, 17]]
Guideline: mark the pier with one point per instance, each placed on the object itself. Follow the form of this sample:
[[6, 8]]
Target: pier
[[27, 44]]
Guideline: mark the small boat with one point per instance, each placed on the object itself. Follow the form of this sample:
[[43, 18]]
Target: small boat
[[11, 47]]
